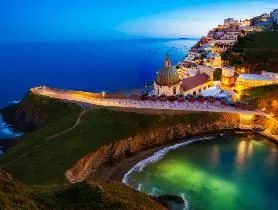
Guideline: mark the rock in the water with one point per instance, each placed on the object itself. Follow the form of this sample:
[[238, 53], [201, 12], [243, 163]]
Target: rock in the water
[[165, 200]]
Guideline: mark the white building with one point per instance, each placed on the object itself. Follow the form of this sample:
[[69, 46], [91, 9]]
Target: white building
[[245, 23], [190, 69], [193, 53], [251, 28], [224, 40], [274, 16], [230, 21]]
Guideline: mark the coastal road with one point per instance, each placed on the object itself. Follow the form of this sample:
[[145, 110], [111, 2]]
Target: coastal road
[[84, 97]]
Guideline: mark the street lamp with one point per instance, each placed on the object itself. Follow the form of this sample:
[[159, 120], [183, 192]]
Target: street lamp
[[103, 94]]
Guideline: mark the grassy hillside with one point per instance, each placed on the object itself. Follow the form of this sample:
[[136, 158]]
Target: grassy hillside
[[265, 97], [257, 51], [38, 161], [12, 195], [95, 195]]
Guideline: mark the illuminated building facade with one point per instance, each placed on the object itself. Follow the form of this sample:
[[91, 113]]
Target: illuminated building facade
[[245, 81], [227, 77]]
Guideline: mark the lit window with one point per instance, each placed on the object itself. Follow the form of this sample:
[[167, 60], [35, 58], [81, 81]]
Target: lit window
[[174, 91]]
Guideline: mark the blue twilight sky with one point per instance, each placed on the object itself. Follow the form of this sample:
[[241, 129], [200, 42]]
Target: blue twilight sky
[[37, 20]]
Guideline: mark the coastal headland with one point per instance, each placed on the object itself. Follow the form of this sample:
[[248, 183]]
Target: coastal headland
[[80, 144], [97, 163], [92, 143]]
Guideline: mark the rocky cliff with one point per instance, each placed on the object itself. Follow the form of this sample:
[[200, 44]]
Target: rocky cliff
[[112, 154], [34, 112]]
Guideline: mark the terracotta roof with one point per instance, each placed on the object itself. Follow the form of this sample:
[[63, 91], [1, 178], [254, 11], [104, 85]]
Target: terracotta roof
[[195, 81]]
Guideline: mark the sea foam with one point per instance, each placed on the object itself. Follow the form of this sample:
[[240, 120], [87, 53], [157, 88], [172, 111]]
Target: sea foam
[[6, 130], [14, 102]]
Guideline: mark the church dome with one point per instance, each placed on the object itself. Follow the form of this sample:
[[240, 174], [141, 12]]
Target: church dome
[[167, 76]]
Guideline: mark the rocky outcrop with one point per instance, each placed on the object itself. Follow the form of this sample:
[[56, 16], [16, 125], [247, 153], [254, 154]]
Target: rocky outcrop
[[112, 154], [35, 112], [24, 117], [166, 200], [5, 177], [28, 118]]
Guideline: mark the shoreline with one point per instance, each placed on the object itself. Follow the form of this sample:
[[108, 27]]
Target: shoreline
[[8, 129], [117, 172]]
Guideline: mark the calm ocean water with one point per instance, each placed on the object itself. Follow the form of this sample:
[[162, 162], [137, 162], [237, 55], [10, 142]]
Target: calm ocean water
[[92, 66], [230, 172]]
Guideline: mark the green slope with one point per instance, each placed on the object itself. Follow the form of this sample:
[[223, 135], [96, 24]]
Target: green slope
[[38, 161], [95, 195], [256, 51]]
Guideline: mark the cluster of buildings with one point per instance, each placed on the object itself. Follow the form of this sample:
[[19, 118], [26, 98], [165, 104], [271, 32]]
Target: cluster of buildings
[[194, 74]]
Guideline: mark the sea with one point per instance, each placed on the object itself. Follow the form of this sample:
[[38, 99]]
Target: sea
[[231, 171], [111, 66]]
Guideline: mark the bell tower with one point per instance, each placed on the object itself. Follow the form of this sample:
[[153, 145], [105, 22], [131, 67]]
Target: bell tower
[[167, 62]]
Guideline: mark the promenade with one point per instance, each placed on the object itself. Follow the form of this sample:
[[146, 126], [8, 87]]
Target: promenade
[[77, 96]]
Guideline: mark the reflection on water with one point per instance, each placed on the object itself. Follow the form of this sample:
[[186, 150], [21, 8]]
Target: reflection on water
[[250, 149], [271, 159], [241, 154], [244, 153], [214, 156], [205, 174]]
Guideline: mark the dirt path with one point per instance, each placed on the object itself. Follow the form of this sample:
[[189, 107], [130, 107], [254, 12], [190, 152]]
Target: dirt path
[[47, 139], [69, 129]]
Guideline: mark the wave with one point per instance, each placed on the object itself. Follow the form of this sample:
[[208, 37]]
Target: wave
[[6, 131], [186, 203], [140, 186], [158, 155], [14, 102]]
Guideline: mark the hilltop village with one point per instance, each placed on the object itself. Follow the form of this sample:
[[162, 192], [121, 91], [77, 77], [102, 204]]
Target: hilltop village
[[196, 74]]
